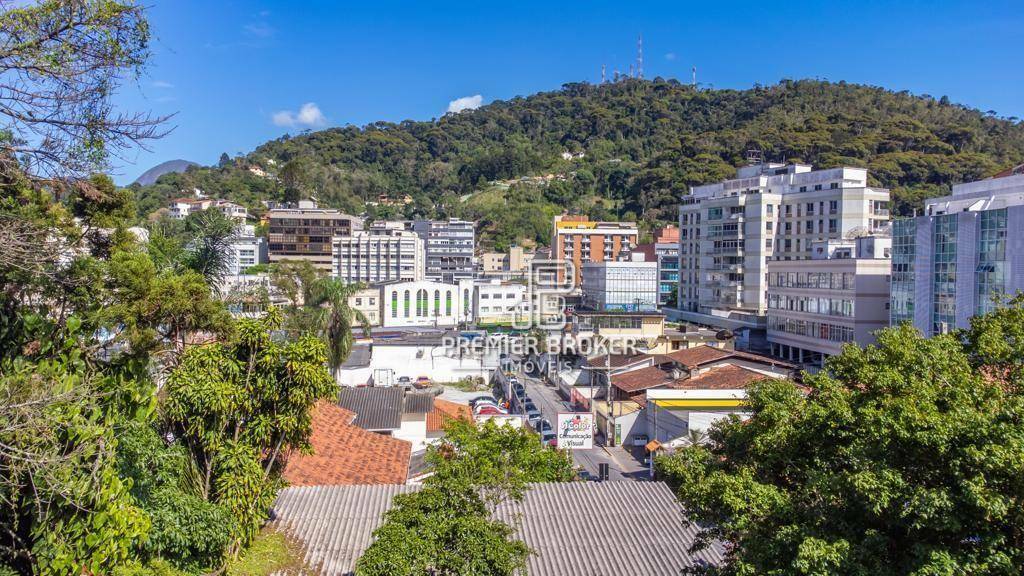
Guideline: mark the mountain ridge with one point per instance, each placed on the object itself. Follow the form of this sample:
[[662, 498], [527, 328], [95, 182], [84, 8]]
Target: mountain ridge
[[625, 150]]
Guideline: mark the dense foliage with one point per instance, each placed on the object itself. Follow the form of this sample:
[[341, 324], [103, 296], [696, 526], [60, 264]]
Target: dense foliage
[[644, 144], [903, 458], [446, 527]]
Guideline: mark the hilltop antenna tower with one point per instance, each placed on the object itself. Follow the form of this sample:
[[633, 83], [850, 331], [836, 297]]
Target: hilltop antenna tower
[[632, 71], [603, 76], [695, 77], [640, 56]]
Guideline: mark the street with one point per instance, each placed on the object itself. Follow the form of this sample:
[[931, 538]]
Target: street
[[621, 465]]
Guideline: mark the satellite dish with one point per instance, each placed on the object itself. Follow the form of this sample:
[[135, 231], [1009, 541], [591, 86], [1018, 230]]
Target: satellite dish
[[725, 335]]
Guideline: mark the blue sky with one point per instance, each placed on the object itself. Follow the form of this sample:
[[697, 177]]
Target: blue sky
[[237, 73]]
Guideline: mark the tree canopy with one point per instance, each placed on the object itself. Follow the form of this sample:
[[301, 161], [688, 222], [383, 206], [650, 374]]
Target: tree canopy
[[906, 457], [446, 527]]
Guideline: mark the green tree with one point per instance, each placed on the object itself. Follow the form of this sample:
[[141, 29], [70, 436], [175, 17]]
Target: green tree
[[209, 249], [62, 62], [334, 320], [902, 458], [236, 406], [446, 527], [63, 507]]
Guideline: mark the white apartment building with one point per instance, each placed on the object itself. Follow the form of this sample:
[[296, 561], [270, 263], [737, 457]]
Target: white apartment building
[[962, 256], [180, 208], [449, 246], [495, 303], [426, 303], [246, 250], [838, 296], [384, 252], [630, 286], [730, 230]]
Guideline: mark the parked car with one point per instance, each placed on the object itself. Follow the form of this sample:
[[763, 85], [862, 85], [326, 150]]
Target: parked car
[[533, 416], [529, 405], [488, 409], [483, 398], [547, 433], [518, 390], [404, 381], [481, 403], [422, 382]]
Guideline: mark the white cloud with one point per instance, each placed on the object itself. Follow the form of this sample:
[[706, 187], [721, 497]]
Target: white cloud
[[259, 29], [309, 116], [465, 103], [162, 84], [670, 56]]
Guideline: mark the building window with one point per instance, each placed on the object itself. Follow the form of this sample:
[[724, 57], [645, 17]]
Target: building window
[[406, 303], [437, 302], [944, 274], [448, 303], [465, 302], [990, 274], [421, 303]]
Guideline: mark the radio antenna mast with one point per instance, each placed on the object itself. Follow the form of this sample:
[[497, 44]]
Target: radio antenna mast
[[640, 56], [603, 77]]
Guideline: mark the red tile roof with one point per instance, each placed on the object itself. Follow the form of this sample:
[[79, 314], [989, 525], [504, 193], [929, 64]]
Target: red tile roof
[[345, 454], [693, 357], [700, 355], [642, 379], [444, 411], [727, 377]]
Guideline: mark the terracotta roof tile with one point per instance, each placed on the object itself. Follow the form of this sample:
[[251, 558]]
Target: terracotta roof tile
[[727, 377], [642, 379], [345, 454], [445, 411], [693, 357]]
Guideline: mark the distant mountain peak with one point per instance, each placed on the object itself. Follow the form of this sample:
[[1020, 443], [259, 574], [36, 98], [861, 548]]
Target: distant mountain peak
[[150, 176]]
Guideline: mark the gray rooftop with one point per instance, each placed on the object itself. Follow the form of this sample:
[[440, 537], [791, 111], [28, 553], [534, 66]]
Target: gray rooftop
[[418, 402], [359, 357], [617, 528], [375, 408]]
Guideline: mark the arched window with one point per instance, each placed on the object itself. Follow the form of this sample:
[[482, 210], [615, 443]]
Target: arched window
[[448, 303], [421, 303], [437, 302], [406, 303], [394, 304], [465, 302]]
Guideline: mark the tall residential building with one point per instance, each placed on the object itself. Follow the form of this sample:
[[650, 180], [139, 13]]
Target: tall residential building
[[246, 249], [578, 240], [306, 232], [449, 246], [730, 230], [622, 286], [958, 259], [384, 252], [665, 251], [839, 295]]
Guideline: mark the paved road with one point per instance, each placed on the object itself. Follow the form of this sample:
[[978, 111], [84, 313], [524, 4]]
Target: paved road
[[621, 465]]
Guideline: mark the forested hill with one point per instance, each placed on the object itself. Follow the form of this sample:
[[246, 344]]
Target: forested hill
[[643, 143]]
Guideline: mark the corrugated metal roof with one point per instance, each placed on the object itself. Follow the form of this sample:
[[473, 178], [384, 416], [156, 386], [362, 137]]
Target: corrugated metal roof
[[375, 408], [334, 524], [592, 528], [418, 403]]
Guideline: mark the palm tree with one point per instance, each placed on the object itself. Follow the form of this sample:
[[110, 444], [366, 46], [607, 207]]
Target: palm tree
[[333, 319]]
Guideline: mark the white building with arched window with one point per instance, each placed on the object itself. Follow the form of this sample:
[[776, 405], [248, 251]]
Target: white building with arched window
[[426, 303]]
